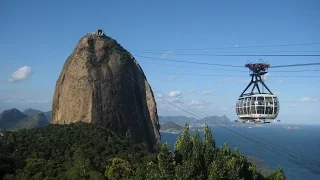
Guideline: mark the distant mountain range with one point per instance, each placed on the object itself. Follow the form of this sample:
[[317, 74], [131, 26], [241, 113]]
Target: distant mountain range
[[181, 120], [13, 119], [31, 112]]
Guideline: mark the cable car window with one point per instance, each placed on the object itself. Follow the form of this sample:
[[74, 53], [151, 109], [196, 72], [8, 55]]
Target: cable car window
[[240, 106], [269, 101], [253, 99], [276, 110], [260, 109], [253, 110], [245, 110], [260, 100], [276, 102], [248, 101], [248, 110], [269, 110]]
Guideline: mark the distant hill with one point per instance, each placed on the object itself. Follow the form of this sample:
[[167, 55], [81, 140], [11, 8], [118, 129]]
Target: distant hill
[[48, 115], [181, 120], [31, 112], [170, 126], [13, 119], [177, 119], [9, 118], [37, 120]]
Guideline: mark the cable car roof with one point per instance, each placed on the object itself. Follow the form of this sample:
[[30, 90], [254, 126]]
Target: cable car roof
[[258, 95]]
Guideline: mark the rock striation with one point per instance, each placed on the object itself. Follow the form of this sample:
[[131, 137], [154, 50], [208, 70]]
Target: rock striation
[[102, 83]]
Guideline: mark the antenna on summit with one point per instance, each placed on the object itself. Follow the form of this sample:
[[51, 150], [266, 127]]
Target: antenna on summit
[[99, 33]]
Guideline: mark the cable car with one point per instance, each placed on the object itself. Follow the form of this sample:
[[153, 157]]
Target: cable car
[[257, 107]]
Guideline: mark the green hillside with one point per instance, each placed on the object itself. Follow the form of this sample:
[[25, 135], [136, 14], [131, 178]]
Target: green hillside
[[13, 119], [170, 126], [31, 112], [87, 151], [9, 118]]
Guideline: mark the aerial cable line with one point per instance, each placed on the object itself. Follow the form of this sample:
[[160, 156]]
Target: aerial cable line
[[196, 67], [212, 53], [260, 55], [294, 65], [191, 62], [255, 141], [225, 65], [169, 65], [242, 47], [216, 75]]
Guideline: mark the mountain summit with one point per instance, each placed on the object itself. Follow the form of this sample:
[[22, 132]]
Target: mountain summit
[[101, 83]]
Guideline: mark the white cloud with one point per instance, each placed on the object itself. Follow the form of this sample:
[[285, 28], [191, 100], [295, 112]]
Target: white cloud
[[191, 91], [198, 103], [174, 93], [20, 74], [173, 78], [224, 109], [166, 54], [308, 99], [206, 92]]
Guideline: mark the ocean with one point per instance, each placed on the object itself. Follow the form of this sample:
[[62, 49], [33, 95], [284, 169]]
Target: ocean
[[304, 141]]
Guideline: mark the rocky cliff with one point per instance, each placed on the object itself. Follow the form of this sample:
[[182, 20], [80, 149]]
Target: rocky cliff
[[101, 83]]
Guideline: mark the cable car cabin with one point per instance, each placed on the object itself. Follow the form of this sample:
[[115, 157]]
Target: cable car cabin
[[257, 106]]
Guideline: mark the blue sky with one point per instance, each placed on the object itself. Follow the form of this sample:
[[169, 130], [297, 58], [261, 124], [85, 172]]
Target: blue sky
[[38, 37]]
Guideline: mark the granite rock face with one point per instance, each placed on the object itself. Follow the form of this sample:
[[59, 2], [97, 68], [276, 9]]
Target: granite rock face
[[101, 83]]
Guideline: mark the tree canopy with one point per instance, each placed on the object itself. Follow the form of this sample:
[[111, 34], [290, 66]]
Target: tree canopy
[[87, 151]]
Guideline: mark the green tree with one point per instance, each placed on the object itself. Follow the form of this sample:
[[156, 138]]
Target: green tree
[[183, 147], [165, 162], [276, 175], [118, 169], [209, 147], [152, 171], [184, 144], [81, 166], [197, 158]]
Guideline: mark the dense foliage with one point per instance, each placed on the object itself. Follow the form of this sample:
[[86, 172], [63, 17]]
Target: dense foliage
[[86, 151]]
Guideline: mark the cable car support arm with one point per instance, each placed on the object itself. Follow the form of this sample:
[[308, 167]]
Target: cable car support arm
[[257, 70]]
